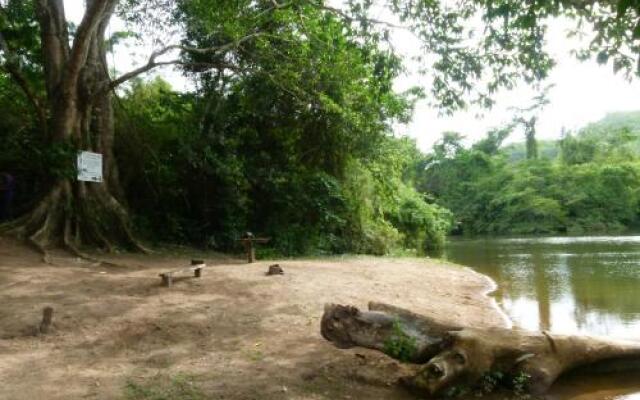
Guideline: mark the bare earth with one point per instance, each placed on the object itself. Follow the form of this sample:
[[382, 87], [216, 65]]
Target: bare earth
[[234, 333]]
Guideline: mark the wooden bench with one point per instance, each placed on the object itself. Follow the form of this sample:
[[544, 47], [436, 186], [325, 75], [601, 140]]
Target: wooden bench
[[196, 267]]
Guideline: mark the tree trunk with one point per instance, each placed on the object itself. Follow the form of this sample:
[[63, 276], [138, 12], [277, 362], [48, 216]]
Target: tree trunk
[[463, 357], [76, 213], [531, 143]]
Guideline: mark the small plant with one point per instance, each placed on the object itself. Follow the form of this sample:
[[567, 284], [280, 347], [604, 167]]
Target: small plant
[[256, 355], [456, 391], [178, 387], [491, 381], [400, 345], [520, 382]]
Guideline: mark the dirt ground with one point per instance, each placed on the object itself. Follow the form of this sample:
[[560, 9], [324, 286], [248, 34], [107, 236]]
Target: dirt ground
[[232, 334]]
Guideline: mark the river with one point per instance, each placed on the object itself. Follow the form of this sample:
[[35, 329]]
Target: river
[[575, 285]]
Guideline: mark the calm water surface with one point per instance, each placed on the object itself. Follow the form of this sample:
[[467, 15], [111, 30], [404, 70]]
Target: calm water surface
[[576, 285]]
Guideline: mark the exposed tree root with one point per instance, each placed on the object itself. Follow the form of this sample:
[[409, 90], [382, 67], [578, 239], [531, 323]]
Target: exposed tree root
[[74, 215], [45, 254], [79, 111]]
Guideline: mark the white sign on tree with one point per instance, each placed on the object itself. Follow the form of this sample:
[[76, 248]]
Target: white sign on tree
[[89, 166]]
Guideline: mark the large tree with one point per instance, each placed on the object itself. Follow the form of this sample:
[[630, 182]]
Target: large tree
[[67, 81], [76, 112]]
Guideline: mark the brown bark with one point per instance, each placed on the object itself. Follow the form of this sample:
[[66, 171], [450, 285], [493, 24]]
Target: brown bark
[[454, 356], [55, 42], [346, 327]]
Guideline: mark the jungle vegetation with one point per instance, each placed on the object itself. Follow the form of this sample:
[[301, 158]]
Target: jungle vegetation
[[289, 130], [587, 182]]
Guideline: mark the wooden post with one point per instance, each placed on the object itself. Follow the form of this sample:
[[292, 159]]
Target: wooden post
[[47, 317], [166, 280], [251, 252], [197, 271], [249, 245]]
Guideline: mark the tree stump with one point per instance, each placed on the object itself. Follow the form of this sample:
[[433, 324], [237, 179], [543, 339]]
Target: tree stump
[[275, 269]]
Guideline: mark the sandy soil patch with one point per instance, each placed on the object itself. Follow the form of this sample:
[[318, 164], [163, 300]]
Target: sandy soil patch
[[234, 333]]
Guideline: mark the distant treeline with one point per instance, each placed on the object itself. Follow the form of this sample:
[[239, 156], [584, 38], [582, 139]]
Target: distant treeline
[[586, 182]]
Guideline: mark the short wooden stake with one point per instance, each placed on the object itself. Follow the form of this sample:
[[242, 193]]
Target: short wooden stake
[[251, 253], [198, 271], [47, 318]]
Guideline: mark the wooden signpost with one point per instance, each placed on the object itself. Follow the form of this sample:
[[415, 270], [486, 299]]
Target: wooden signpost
[[248, 240]]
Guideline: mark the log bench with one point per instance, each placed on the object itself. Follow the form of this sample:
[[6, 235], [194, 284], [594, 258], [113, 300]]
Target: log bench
[[196, 267]]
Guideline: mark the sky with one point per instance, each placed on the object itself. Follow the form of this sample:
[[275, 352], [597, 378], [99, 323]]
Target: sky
[[583, 92]]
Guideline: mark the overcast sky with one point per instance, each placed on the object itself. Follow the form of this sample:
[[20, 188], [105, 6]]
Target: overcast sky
[[584, 91]]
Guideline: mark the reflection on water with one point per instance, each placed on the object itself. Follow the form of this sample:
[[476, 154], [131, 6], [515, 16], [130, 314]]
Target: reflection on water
[[587, 285], [584, 285]]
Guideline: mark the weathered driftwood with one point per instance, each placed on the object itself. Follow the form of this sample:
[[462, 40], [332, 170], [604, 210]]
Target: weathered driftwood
[[347, 327], [456, 356]]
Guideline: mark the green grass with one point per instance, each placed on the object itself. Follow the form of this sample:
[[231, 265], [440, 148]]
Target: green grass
[[178, 387]]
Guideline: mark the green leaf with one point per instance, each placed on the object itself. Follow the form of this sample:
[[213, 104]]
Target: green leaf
[[636, 31], [623, 6], [602, 57]]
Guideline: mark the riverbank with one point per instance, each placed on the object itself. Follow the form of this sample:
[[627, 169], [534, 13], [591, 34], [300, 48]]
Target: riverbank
[[234, 333]]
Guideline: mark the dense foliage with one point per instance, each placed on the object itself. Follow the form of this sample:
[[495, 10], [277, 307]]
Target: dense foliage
[[198, 177], [299, 150], [589, 183], [289, 130]]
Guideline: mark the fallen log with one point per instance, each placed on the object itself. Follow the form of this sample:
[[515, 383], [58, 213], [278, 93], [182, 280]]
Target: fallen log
[[385, 328], [455, 357]]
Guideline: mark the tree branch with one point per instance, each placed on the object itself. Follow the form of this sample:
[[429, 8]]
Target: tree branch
[[152, 63], [82, 42], [55, 41], [350, 18], [18, 77]]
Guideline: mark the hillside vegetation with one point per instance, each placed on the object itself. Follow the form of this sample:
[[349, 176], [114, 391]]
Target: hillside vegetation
[[586, 182]]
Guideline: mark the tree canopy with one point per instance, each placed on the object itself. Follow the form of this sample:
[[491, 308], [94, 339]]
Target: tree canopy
[[290, 129]]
